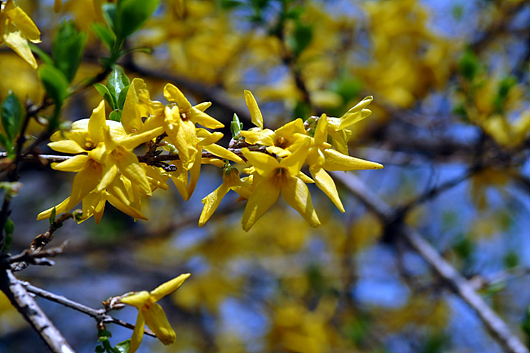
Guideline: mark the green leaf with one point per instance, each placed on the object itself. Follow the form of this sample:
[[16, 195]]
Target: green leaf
[[104, 34], [52, 215], [122, 96], [116, 82], [3, 142], [12, 115], [235, 127], [54, 82], [105, 93], [68, 48], [469, 65], [109, 14], [9, 229], [123, 347], [131, 15], [302, 37], [45, 58], [115, 115], [230, 4], [99, 349]]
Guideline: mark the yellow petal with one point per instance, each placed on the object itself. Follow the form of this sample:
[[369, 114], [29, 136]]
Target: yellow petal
[[204, 119], [125, 208], [325, 183], [224, 153], [169, 287], [19, 44], [262, 162], [60, 208], [321, 131], [263, 196], [195, 172], [90, 202], [297, 195], [337, 161], [109, 174], [173, 94], [24, 23], [66, 146], [305, 178], [84, 182], [132, 170], [131, 117], [156, 320], [211, 202], [186, 143], [138, 333], [295, 161], [255, 112], [138, 299], [278, 151], [97, 123], [135, 140], [74, 164], [263, 137]]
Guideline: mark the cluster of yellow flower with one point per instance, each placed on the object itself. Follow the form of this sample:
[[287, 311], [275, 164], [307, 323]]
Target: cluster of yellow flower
[[108, 170]]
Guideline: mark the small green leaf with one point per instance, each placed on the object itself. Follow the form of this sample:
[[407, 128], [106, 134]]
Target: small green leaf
[[68, 48], [105, 93], [122, 97], [469, 65], [104, 34], [55, 83], [115, 115], [123, 347], [109, 14], [9, 229], [235, 127], [99, 349], [302, 37], [45, 58], [116, 82], [230, 4], [131, 15], [3, 141], [52, 215], [12, 115]]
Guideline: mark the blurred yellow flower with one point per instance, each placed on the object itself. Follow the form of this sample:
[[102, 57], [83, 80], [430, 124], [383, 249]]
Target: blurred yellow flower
[[16, 28]]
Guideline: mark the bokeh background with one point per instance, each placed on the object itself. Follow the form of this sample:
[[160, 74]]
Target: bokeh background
[[450, 124]]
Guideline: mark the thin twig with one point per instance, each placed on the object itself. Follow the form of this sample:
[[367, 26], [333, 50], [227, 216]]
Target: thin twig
[[99, 314]]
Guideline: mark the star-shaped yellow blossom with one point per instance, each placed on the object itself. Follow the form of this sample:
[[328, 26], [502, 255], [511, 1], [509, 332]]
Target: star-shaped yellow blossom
[[180, 123], [231, 181], [272, 177], [16, 28], [338, 128], [109, 171], [321, 156], [151, 314], [279, 142]]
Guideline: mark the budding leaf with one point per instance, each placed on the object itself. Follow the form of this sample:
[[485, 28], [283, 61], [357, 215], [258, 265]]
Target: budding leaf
[[54, 82], [104, 34], [116, 82], [105, 93], [469, 65], [68, 48]]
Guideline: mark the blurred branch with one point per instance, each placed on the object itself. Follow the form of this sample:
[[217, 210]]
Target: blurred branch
[[28, 308], [498, 328]]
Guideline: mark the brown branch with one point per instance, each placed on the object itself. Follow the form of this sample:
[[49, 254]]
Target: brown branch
[[497, 327], [99, 314], [28, 308]]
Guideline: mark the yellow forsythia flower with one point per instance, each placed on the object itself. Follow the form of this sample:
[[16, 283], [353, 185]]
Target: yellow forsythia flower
[[151, 314]]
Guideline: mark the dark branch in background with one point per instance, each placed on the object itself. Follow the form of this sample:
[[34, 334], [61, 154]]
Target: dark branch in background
[[28, 308], [29, 257], [497, 327]]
